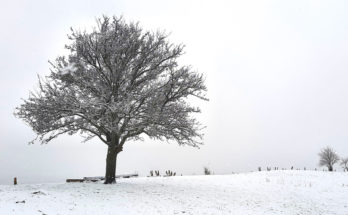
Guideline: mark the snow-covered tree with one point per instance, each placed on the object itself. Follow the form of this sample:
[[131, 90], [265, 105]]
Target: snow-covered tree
[[118, 83], [328, 158], [344, 164]]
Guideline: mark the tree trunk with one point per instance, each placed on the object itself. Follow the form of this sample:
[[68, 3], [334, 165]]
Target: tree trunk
[[330, 168], [111, 158]]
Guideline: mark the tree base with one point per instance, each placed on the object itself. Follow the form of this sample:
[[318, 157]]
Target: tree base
[[110, 182]]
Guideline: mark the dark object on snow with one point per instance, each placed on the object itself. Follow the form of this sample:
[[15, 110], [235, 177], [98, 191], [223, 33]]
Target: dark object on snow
[[74, 180], [127, 175], [207, 171], [39, 193], [20, 201], [170, 173], [15, 181], [157, 173], [100, 178], [94, 179]]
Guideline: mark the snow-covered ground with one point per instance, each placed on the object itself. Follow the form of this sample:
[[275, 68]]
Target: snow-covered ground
[[274, 192]]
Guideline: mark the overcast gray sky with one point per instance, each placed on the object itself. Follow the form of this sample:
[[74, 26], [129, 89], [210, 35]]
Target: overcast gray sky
[[276, 73]]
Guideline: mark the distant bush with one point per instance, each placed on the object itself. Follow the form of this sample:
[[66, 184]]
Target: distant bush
[[207, 171], [170, 173], [344, 164], [157, 173]]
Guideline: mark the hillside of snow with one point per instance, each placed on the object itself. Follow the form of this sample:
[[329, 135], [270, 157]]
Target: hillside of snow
[[274, 192]]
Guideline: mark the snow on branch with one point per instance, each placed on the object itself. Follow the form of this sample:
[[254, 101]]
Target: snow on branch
[[118, 82]]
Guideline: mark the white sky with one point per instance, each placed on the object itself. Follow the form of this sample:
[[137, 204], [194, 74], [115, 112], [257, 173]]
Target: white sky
[[276, 73]]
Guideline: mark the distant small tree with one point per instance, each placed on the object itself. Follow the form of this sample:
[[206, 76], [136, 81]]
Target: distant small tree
[[328, 158], [344, 164], [207, 171]]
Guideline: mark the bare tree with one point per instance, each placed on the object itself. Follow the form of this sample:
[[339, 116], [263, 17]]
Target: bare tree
[[118, 83], [344, 164], [328, 158]]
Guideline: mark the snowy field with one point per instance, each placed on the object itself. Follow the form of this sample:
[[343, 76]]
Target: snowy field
[[275, 192]]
